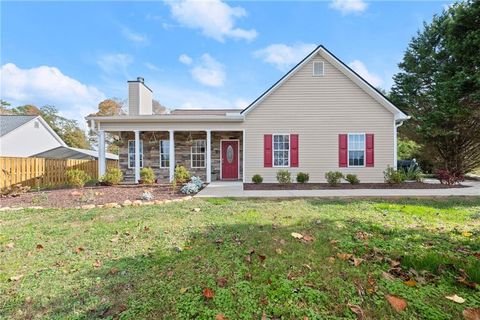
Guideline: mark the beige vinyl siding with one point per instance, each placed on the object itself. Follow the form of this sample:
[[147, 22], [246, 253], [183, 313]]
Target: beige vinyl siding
[[319, 108]]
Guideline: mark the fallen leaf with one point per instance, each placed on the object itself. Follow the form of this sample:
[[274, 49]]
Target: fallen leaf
[[248, 259], [16, 278], [357, 261], [264, 316], [79, 249], [97, 263], [394, 263], [466, 234], [219, 241], [307, 266], [146, 229], [331, 260], [397, 303], [278, 251], [115, 239], [455, 298], [467, 283], [410, 283], [9, 245], [187, 248], [208, 293], [220, 317], [39, 247], [333, 241], [308, 238], [248, 276], [183, 290], [296, 235], [170, 274], [344, 256], [222, 282], [357, 310], [264, 301], [387, 276], [262, 257], [113, 271], [471, 314]]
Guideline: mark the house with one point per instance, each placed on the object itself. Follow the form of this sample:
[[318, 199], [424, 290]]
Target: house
[[31, 136], [321, 116]]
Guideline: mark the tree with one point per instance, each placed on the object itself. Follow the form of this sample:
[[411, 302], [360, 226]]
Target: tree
[[110, 107], [439, 86], [158, 108], [4, 107]]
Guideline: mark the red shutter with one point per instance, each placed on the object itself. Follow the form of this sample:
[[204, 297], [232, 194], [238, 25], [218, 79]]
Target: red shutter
[[342, 150], [267, 150], [294, 150], [369, 150]]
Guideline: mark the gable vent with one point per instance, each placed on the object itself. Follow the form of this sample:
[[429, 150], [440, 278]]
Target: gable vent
[[318, 68]]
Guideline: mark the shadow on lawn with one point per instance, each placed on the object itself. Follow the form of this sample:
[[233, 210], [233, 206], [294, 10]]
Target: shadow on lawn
[[291, 283]]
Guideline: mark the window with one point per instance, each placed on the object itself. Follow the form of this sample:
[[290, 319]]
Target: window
[[131, 153], [164, 154], [281, 150], [356, 150], [318, 68], [198, 154]]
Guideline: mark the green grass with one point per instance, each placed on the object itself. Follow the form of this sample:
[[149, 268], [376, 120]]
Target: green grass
[[153, 262]]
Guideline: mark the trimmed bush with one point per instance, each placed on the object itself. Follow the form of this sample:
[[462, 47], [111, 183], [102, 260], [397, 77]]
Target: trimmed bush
[[352, 178], [393, 176], [197, 181], [147, 176], [449, 177], [181, 174], [333, 177], [112, 177], [284, 176], [303, 177], [189, 188], [257, 179], [77, 178], [413, 173]]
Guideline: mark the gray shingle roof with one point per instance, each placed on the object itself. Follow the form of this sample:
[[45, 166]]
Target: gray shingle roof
[[9, 123]]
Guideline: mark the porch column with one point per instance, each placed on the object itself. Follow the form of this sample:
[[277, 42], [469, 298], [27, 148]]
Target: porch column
[[209, 156], [137, 155], [101, 153], [171, 152]]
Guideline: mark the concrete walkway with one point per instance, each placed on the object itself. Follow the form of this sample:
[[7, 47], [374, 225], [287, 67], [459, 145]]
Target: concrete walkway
[[220, 189]]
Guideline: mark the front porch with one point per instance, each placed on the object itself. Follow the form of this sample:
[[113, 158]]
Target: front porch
[[211, 155]]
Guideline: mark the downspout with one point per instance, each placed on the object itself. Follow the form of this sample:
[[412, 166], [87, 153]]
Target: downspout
[[395, 143]]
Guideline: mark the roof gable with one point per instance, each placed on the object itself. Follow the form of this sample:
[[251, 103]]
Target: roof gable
[[9, 123], [347, 71]]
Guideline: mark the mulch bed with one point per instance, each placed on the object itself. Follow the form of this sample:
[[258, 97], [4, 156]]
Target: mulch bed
[[326, 186], [70, 198]]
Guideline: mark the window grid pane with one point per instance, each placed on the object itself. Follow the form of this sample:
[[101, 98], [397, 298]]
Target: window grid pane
[[164, 153], [131, 153], [198, 153], [281, 150], [356, 150]]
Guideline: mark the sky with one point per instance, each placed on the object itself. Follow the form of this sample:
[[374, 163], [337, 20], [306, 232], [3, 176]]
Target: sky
[[192, 54]]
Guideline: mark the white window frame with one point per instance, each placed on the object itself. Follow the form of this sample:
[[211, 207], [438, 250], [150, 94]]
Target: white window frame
[[160, 153], [133, 153], [364, 150], [323, 69], [198, 153], [273, 150]]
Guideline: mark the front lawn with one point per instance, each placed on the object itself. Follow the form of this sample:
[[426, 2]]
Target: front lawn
[[238, 259]]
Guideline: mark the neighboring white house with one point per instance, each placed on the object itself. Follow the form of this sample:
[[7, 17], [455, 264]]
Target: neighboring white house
[[26, 136]]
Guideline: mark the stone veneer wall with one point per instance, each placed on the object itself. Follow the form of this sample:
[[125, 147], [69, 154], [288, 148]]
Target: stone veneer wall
[[151, 153]]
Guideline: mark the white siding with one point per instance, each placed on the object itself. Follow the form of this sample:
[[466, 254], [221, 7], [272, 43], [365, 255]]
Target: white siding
[[27, 140], [319, 109]]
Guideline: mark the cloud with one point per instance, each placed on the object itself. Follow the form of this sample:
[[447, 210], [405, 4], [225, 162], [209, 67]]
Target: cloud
[[349, 6], [48, 85], [208, 71], [115, 63], [360, 68], [185, 59], [133, 36], [283, 56], [150, 66], [214, 18]]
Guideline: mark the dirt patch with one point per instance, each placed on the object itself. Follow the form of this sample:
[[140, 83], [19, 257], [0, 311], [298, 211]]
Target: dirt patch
[[326, 186], [68, 198]]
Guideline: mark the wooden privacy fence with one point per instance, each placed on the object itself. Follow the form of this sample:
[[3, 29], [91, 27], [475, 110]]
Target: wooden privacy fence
[[44, 172]]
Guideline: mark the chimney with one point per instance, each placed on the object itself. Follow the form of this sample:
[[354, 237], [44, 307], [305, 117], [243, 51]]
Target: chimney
[[139, 98]]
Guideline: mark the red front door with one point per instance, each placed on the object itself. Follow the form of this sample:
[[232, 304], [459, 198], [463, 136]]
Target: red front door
[[229, 159]]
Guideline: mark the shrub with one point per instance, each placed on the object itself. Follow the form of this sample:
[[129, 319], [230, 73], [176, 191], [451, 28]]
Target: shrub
[[449, 177], [181, 174], [147, 195], [77, 178], [257, 179], [333, 177], [284, 176], [303, 177], [413, 173], [189, 188], [112, 177], [352, 178], [147, 176], [393, 176], [197, 181]]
